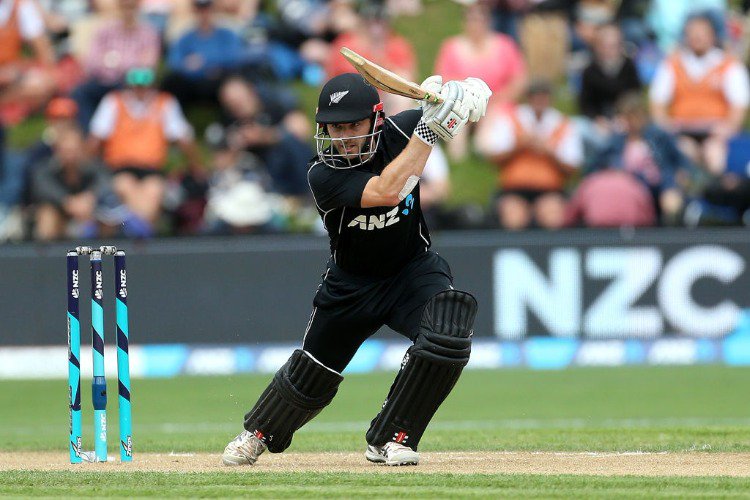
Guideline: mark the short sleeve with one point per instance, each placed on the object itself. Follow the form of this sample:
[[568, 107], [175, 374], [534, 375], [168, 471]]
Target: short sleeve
[[333, 188], [31, 22], [176, 126], [662, 86], [103, 122], [736, 86]]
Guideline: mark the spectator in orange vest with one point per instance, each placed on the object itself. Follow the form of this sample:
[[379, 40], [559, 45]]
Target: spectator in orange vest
[[23, 83], [132, 129], [119, 45], [701, 93], [535, 148]]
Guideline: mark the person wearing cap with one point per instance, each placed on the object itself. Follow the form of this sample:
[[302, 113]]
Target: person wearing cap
[[132, 130], [365, 182], [535, 148], [119, 45], [201, 58]]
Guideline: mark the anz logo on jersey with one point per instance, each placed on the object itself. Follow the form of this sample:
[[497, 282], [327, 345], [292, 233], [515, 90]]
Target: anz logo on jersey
[[383, 220]]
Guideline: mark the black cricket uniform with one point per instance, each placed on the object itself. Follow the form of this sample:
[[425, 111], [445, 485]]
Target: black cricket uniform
[[381, 271]]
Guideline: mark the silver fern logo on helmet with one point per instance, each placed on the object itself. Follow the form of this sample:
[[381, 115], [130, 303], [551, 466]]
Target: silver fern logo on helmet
[[337, 96]]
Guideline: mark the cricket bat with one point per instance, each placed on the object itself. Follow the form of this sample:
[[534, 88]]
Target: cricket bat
[[388, 81]]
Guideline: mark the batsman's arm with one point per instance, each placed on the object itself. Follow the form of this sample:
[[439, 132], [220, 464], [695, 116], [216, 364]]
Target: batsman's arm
[[404, 171]]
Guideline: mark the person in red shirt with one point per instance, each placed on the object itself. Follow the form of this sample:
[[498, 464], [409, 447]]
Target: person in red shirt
[[490, 56], [375, 39]]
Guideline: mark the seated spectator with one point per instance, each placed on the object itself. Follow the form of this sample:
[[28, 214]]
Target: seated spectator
[[59, 114], [650, 154], [609, 75], [201, 58], [132, 128], [118, 46], [238, 197], [702, 93], [481, 53], [24, 84], [611, 198], [374, 38], [726, 198], [666, 19], [535, 148], [66, 188], [544, 32], [254, 128]]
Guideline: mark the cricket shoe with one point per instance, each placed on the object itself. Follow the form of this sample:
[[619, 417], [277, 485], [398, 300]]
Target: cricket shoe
[[243, 450], [392, 453]]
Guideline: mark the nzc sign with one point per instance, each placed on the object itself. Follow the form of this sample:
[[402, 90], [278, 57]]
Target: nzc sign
[[619, 291]]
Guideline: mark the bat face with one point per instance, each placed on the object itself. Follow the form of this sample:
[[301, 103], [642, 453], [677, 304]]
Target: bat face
[[387, 81]]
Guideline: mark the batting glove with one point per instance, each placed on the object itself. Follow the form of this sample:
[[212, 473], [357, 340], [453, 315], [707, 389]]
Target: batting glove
[[477, 96], [447, 118]]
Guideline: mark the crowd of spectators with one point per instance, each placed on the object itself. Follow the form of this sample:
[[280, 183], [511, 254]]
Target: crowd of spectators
[[604, 113]]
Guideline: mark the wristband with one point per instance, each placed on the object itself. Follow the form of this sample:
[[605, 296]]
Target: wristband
[[425, 134]]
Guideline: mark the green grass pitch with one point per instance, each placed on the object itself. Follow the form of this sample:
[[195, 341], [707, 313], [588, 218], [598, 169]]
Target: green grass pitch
[[665, 409]]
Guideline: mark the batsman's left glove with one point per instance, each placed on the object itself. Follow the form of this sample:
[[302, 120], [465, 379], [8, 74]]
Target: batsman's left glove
[[447, 118]]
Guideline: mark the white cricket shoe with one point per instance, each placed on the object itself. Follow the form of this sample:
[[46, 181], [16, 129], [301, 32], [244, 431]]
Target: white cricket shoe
[[243, 450], [392, 453]]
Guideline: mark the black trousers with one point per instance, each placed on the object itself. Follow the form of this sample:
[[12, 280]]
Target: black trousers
[[348, 309]]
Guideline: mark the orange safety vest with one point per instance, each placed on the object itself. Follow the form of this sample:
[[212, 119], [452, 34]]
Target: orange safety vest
[[702, 99], [527, 169], [138, 141], [11, 41]]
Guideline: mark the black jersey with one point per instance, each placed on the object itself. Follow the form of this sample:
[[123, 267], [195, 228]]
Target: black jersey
[[375, 241]]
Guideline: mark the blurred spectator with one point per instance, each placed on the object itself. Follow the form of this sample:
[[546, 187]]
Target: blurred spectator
[[24, 84], [611, 198], [201, 58], [667, 19], [59, 114], [481, 53], [374, 38], [66, 188], [535, 148], [545, 37], [650, 154], [702, 93], [118, 45], [609, 75], [238, 201], [254, 128], [133, 128], [590, 15], [726, 198]]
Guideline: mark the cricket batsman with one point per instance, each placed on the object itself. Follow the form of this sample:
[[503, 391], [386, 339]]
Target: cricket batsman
[[365, 182]]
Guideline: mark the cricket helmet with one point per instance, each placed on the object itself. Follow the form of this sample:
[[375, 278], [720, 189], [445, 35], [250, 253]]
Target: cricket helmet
[[347, 98]]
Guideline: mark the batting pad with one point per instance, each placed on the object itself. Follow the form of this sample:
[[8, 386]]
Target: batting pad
[[298, 392], [430, 369]]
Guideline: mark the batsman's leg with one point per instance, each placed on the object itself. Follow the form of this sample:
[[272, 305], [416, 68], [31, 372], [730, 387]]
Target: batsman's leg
[[297, 393], [430, 369]]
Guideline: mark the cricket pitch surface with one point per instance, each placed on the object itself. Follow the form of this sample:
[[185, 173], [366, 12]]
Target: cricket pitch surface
[[512, 462]]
